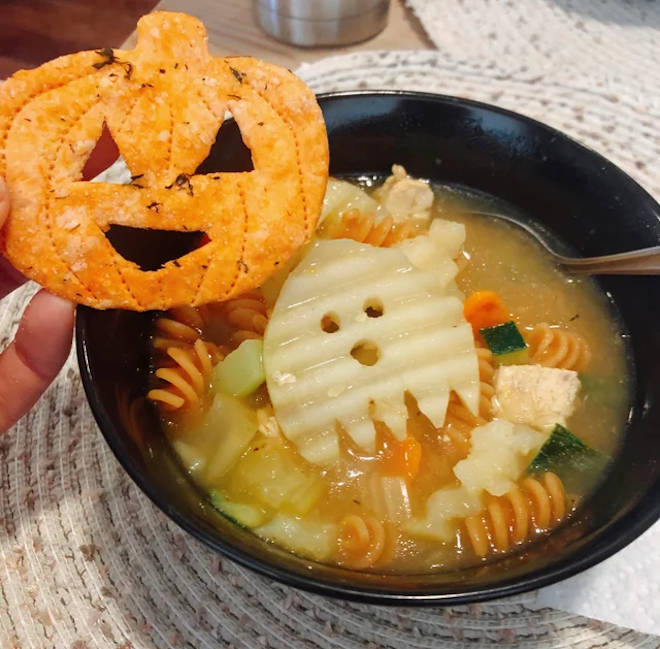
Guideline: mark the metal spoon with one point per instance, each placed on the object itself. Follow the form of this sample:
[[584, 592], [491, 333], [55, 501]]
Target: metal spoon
[[645, 261]]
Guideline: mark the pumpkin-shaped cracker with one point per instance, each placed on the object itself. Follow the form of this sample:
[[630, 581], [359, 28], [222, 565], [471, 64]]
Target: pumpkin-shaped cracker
[[163, 103]]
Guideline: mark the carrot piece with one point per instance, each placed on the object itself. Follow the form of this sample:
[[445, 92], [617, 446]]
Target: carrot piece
[[405, 457], [484, 309], [412, 452]]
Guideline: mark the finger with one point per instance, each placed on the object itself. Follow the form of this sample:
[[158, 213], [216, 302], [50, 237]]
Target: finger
[[104, 154], [10, 278], [35, 357]]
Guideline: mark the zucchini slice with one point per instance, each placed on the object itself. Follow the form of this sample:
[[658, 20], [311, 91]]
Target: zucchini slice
[[241, 513], [506, 343], [578, 465]]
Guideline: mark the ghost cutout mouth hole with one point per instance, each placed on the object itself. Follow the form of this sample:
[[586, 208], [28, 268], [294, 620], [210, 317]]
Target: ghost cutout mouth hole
[[366, 352], [373, 307], [152, 249], [330, 323], [229, 152]]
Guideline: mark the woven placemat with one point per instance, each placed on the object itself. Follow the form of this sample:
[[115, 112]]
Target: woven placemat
[[611, 46], [623, 127], [88, 561]]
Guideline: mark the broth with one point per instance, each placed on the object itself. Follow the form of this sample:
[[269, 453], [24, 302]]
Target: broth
[[271, 481], [507, 260]]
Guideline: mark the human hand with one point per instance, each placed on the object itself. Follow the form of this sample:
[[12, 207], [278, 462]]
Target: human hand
[[40, 347], [42, 342]]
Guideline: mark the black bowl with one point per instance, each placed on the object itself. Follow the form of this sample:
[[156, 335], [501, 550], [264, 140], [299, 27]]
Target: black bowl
[[579, 196]]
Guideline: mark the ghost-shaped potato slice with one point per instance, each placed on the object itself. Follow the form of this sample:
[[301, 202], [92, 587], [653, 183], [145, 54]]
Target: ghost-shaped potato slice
[[353, 329]]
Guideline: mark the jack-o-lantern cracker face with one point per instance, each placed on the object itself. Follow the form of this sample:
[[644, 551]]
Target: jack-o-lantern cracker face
[[163, 103]]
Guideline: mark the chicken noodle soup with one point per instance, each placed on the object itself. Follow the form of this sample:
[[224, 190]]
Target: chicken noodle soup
[[418, 389]]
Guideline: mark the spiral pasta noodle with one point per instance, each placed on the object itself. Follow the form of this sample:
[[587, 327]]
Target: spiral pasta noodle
[[187, 378], [353, 224], [187, 358], [459, 421], [181, 328], [533, 506], [560, 348], [460, 418], [361, 541], [172, 332], [486, 378], [247, 316], [132, 413]]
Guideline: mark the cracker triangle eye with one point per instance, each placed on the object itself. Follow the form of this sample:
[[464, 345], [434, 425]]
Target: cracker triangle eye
[[229, 152], [104, 153]]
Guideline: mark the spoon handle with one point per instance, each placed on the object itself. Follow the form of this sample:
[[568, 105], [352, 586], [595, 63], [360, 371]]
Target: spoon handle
[[636, 262]]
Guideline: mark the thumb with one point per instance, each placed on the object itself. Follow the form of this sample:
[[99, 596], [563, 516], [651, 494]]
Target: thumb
[[35, 357]]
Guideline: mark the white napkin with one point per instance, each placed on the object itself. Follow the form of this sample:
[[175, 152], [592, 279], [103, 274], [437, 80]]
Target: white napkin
[[623, 590]]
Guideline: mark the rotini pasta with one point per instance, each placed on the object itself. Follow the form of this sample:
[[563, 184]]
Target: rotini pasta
[[132, 413], [459, 421], [534, 506], [246, 315], [554, 347], [188, 358], [187, 379], [361, 541], [486, 387], [174, 333], [460, 418], [353, 224], [190, 316]]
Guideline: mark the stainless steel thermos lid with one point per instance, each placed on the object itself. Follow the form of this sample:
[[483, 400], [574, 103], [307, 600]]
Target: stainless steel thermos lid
[[311, 23]]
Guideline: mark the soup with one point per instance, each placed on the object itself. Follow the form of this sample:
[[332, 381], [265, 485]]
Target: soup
[[418, 389]]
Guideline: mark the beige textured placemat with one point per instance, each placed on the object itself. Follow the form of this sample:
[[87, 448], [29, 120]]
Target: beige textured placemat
[[610, 46], [87, 561], [624, 128]]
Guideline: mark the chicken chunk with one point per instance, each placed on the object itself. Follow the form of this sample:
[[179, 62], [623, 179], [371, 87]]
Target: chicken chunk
[[404, 197], [535, 395]]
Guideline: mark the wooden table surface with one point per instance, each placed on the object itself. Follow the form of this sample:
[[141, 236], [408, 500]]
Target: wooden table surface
[[233, 30], [34, 31]]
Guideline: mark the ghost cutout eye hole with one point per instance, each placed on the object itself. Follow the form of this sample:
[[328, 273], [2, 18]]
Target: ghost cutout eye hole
[[373, 307], [330, 323], [366, 352]]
